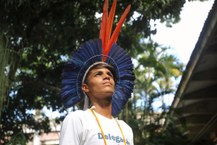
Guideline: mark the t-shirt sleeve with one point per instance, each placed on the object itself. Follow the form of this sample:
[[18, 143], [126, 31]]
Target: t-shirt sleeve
[[71, 130]]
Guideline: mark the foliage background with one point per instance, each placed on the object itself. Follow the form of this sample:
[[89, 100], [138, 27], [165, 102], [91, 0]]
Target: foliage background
[[38, 36]]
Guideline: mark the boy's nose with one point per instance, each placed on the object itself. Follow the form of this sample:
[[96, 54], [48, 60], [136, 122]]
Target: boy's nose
[[106, 76]]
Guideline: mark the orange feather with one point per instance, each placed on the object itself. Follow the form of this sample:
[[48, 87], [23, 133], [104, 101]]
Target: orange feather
[[103, 24], [106, 27], [110, 22], [117, 30]]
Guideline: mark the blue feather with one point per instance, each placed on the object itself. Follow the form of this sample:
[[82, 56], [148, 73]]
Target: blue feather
[[89, 53]]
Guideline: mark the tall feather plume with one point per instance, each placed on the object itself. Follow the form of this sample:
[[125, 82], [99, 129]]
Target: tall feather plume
[[103, 23], [117, 30], [110, 22], [106, 27]]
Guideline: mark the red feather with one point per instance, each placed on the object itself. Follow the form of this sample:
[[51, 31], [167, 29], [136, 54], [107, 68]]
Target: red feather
[[110, 22], [117, 30], [106, 27], [103, 23]]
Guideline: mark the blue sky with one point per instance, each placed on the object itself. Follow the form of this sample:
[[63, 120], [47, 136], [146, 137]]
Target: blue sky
[[183, 36]]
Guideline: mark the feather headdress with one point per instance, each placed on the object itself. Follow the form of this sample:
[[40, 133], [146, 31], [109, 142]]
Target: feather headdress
[[105, 50]]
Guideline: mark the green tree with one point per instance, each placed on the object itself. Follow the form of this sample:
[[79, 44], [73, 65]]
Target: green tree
[[156, 72], [43, 33]]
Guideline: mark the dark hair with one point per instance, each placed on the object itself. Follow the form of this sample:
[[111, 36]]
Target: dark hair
[[98, 66]]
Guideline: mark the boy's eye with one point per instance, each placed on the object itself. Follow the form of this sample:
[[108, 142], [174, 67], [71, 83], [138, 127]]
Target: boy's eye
[[98, 73], [101, 73], [110, 74]]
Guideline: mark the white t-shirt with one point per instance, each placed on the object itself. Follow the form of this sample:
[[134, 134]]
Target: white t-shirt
[[81, 128]]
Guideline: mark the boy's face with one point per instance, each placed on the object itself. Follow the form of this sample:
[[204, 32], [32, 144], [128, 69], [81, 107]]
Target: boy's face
[[100, 83]]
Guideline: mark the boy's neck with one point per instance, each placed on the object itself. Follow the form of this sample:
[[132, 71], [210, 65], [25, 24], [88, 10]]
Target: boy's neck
[[103, 110]]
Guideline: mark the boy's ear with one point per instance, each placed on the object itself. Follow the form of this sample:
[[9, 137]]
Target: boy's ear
[[85, 88]]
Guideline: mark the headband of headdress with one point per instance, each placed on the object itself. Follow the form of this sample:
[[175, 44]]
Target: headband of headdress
[[104, 50]]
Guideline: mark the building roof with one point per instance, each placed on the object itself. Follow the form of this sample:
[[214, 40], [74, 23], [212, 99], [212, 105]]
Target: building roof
[[196, 97]]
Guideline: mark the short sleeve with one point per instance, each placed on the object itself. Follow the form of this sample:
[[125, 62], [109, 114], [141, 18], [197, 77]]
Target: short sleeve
[[71, 130]]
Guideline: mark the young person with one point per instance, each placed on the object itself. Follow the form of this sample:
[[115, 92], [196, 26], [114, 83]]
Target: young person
[[102, 72], [96, 126]]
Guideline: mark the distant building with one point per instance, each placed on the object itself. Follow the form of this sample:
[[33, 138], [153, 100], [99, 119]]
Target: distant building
[[51, 138]]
